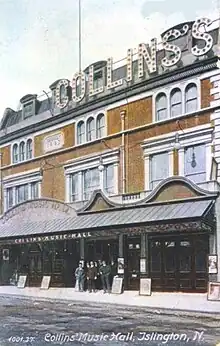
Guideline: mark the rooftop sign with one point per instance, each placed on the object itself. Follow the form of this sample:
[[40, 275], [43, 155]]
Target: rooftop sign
[[147, 61]]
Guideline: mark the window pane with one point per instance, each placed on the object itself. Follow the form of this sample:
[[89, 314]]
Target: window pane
[[195, 163], [9, 198], [109, 179], [21, 193], [15, 153], [159, 168], [191, 105], [90, 129], [21, 151], [29, 149], [100, 126], [73, 187], [176, 103], [91, 182], [80, 133], [34, 190]]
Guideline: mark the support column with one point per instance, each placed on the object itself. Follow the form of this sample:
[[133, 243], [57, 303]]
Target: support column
[[144, 255], [121, 246], [217, 235], [82, 249]]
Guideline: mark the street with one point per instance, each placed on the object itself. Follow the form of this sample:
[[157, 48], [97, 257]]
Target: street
[[40, 323]]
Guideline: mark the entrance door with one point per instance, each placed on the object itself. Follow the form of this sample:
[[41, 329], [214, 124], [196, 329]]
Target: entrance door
[[35, 271], [133, 262], [179, 263]]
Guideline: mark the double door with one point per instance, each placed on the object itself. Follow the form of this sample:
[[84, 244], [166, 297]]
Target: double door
[[179, 263]]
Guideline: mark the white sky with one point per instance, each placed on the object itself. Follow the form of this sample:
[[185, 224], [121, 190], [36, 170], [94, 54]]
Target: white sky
[[39, 38]]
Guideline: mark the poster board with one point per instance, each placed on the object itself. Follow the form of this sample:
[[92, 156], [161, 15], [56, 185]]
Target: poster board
[[214, 291], [22, 281], [117, 285], [121, 265], [45, 283], [213, 264], [145, 287]]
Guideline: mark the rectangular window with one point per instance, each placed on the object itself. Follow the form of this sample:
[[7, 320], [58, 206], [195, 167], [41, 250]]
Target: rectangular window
[[98, 81], [21, 193], [109, 179], [91, 182], [34, 190], [73, 187], [159, 168], [9, 193], [28, 110], [195, 163]]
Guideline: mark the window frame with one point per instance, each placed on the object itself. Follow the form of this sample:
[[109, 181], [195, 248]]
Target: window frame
[[157, 181], [178, 103], [81, 135], [89, 162], [22, 151], [182, 85], [157, 99], [100, 125], [187, 101], [15, 155], [22, 158], [90, 130]]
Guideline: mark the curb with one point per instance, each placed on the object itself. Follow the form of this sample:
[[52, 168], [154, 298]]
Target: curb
[[214, 315]]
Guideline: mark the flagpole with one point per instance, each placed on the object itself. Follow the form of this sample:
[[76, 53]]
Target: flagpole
[[80, 38]]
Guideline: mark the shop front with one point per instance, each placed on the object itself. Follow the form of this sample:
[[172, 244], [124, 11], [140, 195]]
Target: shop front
[[162, 237]]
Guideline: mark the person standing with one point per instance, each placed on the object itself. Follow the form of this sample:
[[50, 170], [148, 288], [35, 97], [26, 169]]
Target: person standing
[[80, 276], [91, 277], [105, 272]]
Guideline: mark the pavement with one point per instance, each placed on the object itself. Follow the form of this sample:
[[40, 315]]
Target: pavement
[[42, 323], [183, 302]]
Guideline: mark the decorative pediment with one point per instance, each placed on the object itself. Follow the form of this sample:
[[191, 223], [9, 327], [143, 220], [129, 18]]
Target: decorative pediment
[[42, 209], [177, 188], [98, 202]]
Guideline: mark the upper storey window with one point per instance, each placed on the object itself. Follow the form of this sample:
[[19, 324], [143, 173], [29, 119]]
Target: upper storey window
[[29, 149], [22, 151], [191, 98], [28, 109], [174, 101], [100, 128], [161, 106], [80, 132], [91, 129], [15, 153]]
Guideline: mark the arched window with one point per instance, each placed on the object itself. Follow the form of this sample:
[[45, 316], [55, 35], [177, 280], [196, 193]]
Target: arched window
[[161, 107], [176, 102], [81, 132], [29, 149], [15, 153], [21, 151], [191, 98], [100, 125], [90, 130]]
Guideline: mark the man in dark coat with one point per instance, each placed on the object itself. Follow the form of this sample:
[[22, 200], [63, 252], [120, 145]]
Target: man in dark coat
[[80, 277], [91, 277], [105, 272]]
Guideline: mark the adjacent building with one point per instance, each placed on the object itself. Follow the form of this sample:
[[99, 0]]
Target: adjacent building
[[120, 164]]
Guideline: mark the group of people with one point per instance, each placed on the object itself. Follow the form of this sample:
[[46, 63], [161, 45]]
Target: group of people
[[95, 275]]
